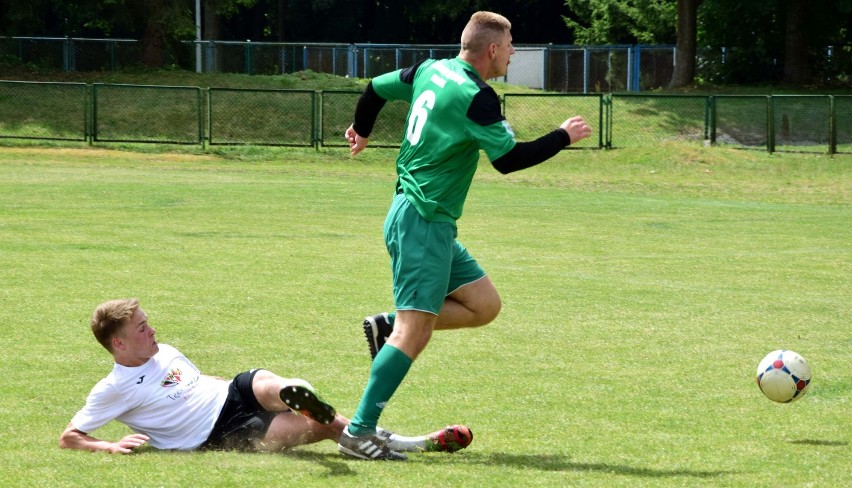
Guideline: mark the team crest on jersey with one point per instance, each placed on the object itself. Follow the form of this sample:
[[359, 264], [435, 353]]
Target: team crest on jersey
[[171, 379]]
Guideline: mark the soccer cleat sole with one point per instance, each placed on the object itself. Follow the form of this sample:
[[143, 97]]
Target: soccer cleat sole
[[307, 403], [376, 337]]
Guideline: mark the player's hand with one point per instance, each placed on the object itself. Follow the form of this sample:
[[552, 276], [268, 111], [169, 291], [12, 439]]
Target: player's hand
[[356, 142], [128, 443], [576, 128]]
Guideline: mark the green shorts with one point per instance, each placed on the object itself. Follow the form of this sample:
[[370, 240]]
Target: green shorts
[[427, 262]]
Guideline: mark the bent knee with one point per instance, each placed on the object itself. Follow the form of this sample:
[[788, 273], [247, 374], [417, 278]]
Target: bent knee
[[488, 312]]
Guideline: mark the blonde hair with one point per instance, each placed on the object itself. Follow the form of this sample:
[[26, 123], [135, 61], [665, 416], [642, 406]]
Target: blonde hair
[[110, 317], [482, 29]]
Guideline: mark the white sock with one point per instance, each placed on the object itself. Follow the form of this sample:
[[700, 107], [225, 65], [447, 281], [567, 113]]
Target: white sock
[[401, 443]]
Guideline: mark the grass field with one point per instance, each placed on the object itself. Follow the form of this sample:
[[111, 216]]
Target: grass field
[[641, 287]]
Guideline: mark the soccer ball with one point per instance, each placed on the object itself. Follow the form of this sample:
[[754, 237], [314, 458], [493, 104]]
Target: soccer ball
[[783, 376]]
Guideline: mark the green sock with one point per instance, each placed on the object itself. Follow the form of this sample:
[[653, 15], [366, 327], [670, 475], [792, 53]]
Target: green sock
[[391, 318], [389, 368]]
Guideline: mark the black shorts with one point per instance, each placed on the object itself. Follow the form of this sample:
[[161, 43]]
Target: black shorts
[[242, 419]]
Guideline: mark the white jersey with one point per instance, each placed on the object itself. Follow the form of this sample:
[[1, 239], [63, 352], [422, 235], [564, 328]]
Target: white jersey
[[167, 399]]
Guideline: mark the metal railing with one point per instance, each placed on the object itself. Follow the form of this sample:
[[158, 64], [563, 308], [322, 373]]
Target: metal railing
[[559, 68], [104, 113]]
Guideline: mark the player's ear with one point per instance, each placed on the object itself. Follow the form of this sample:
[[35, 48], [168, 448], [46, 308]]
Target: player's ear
[[117, 343]]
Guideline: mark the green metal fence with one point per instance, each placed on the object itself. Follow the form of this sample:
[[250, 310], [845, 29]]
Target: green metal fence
[[740, 120], [337, 109], [144, 113], [532, 115], [645, 120], [103, 113], [841, 124], [799, 122], [56, 111], [261, 117]]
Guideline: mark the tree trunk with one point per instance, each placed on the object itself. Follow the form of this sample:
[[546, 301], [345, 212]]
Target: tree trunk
[[154, 38], [211, 31], [684, 73], [210, 23], [797, 68], [281, 20]]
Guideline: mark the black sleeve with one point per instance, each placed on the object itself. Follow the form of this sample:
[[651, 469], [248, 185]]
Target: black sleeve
[[527, 154], [407, 75], [367, 110], [370, 103]]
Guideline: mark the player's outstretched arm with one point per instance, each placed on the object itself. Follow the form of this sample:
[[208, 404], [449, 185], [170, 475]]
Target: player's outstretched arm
[[527, 154], [76, 439]]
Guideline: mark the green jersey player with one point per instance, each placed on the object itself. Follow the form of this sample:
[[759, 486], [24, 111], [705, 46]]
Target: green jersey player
[[437, 284]]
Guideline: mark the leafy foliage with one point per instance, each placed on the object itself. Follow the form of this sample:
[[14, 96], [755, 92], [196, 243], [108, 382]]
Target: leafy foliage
[[623, 21], [738, 42]]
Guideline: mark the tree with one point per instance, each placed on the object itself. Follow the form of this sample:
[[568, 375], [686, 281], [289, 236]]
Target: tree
[[687, 22], [154, 36], [598, 22], [797, 68]]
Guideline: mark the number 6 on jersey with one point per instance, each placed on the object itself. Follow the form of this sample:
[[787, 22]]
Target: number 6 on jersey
[[419, 114]]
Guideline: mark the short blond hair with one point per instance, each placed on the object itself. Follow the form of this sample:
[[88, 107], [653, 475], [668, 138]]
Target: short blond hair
[[110, 317], [482, 29]]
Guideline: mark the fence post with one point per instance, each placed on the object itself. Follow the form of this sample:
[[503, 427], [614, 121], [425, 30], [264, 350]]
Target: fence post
[[67, 54], [211, 57], [366, 61], [607, 101], [629, 83], [200, 100], [636, 68], [88, 110], [316, 113], [711, 113], [94, 120], [770, 126], [304, 58], [353, 61], [248, 56], [832, 127], [587, 59], [601, 142], [111, 55], [209, 115], [545, 75]]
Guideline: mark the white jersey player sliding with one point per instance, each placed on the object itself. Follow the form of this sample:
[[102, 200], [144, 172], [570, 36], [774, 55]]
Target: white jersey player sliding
[[163, 397]]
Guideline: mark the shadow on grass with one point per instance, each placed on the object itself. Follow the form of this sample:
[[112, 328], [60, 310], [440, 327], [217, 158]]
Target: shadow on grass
[[334, 463], [816, 442], [562, 463], [339, 466]]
